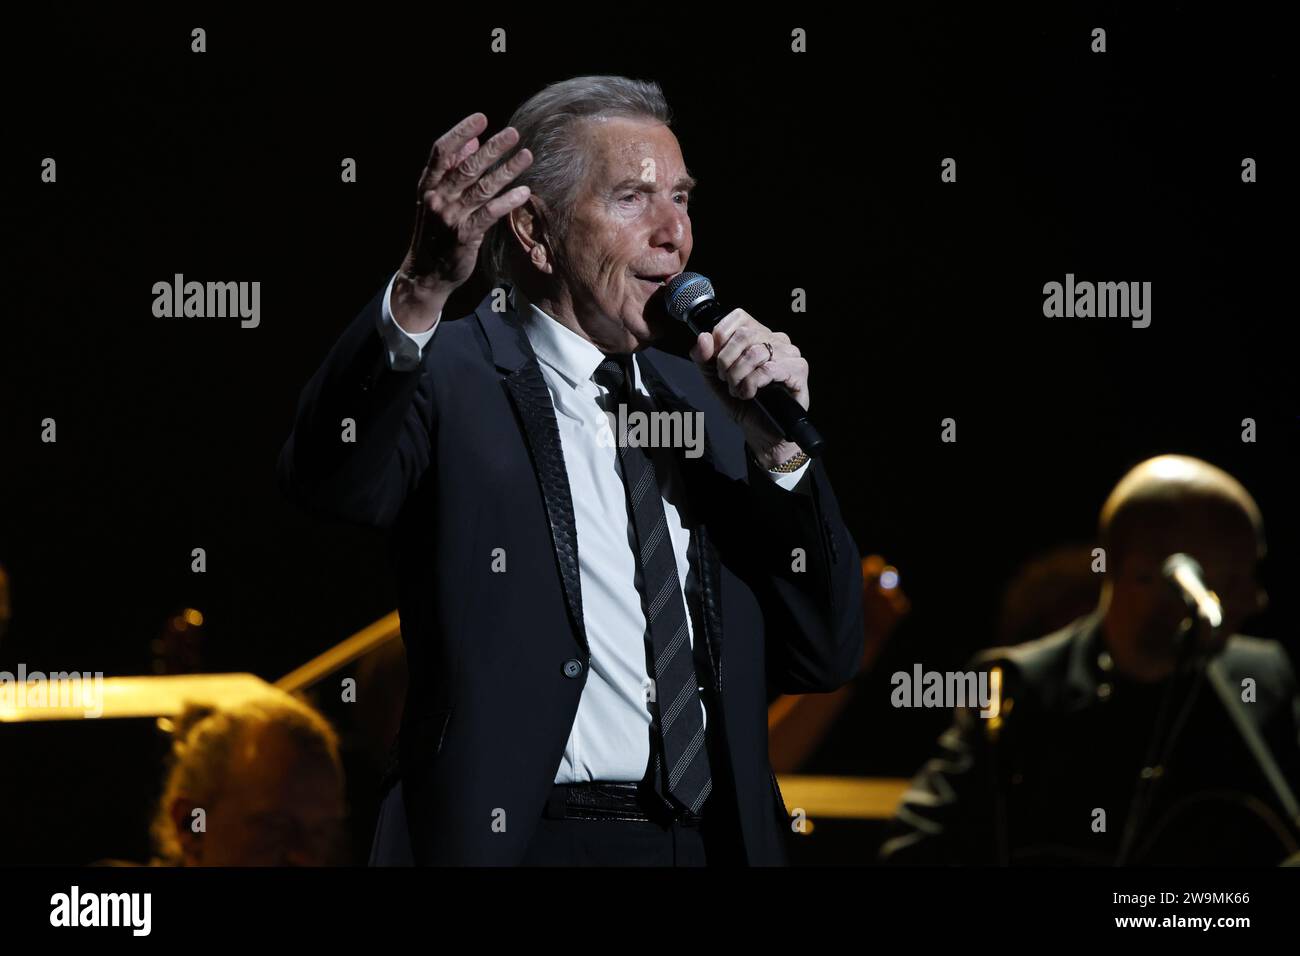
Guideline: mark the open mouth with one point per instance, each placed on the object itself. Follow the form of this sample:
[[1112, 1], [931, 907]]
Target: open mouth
[[655, 280]]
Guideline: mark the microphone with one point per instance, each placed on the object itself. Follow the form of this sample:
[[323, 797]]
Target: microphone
[[689, 298], [1185, 574]]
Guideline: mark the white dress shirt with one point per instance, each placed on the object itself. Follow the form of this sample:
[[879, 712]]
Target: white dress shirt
[[610, 738]]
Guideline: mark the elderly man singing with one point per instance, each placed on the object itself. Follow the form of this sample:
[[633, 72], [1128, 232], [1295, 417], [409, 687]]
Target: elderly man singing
[[592, 628]]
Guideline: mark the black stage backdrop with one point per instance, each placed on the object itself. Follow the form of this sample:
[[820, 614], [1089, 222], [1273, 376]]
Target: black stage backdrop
[[818, 171]]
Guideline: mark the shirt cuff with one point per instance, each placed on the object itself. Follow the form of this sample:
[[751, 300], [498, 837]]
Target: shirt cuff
[[790, 479], [405, 349]]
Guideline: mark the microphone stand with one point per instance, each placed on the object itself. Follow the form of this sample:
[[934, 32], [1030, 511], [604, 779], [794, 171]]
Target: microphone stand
[[1166, 730]]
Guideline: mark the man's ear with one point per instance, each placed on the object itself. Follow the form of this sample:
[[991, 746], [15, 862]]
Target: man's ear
[[528, 225], [182, 813]]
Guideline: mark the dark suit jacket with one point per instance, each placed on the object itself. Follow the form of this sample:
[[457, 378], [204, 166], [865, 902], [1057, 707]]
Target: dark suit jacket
[[1074, 740], [462, 456]]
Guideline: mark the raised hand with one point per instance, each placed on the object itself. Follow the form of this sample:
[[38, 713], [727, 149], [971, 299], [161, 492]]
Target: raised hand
[[458, 201]]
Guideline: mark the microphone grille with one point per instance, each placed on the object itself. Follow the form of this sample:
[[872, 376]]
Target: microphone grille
[[1177, 562], [683, 291]]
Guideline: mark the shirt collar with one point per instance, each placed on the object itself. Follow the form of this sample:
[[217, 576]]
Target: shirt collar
[[560, 347]]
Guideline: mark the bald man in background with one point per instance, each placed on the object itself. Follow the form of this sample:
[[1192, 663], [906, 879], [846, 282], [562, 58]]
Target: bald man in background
[[1118, 741]]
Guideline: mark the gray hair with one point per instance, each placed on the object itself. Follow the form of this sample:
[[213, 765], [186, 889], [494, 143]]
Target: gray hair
[[548, 126]]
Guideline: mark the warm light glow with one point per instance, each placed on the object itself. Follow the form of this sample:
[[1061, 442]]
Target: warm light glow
[[995, 700], [1170, 467], [119, 697], [851, 798]]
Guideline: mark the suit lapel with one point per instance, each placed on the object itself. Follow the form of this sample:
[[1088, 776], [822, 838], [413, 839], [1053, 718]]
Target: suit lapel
[[513, 355]]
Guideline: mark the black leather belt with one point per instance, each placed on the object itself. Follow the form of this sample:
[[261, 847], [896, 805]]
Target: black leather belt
[[613, 801]]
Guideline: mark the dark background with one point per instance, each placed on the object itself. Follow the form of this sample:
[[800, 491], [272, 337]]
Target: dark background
[[818, 171]]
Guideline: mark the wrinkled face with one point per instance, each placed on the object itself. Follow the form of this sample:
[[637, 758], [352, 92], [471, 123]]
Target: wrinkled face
[[1148, 609], [630, 231], [278, 807]]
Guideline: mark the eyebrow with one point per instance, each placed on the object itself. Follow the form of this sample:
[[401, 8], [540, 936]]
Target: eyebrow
[[686, 183]]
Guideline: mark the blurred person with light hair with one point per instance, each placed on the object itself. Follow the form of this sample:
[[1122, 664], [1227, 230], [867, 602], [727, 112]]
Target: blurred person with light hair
[[257, 784]]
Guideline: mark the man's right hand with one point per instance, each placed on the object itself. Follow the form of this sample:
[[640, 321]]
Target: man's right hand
[[456, 206]]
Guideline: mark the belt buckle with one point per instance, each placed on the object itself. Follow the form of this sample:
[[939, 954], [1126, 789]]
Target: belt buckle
[[584, 802]]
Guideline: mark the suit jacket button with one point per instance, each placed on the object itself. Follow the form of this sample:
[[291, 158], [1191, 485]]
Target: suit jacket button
[[572, 667]]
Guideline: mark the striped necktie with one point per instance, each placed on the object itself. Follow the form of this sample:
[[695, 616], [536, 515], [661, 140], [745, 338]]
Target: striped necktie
[[681, 760]]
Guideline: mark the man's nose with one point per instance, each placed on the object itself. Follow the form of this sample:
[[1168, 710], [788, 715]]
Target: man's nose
[[671, 224]]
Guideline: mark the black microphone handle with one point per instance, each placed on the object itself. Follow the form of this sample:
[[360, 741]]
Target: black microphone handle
[[785, 414]]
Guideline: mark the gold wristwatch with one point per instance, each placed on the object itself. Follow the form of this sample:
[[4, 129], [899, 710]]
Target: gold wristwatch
[[792, 464]]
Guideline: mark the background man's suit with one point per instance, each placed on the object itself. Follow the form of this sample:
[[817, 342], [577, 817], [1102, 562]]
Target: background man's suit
[[461, 456]]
